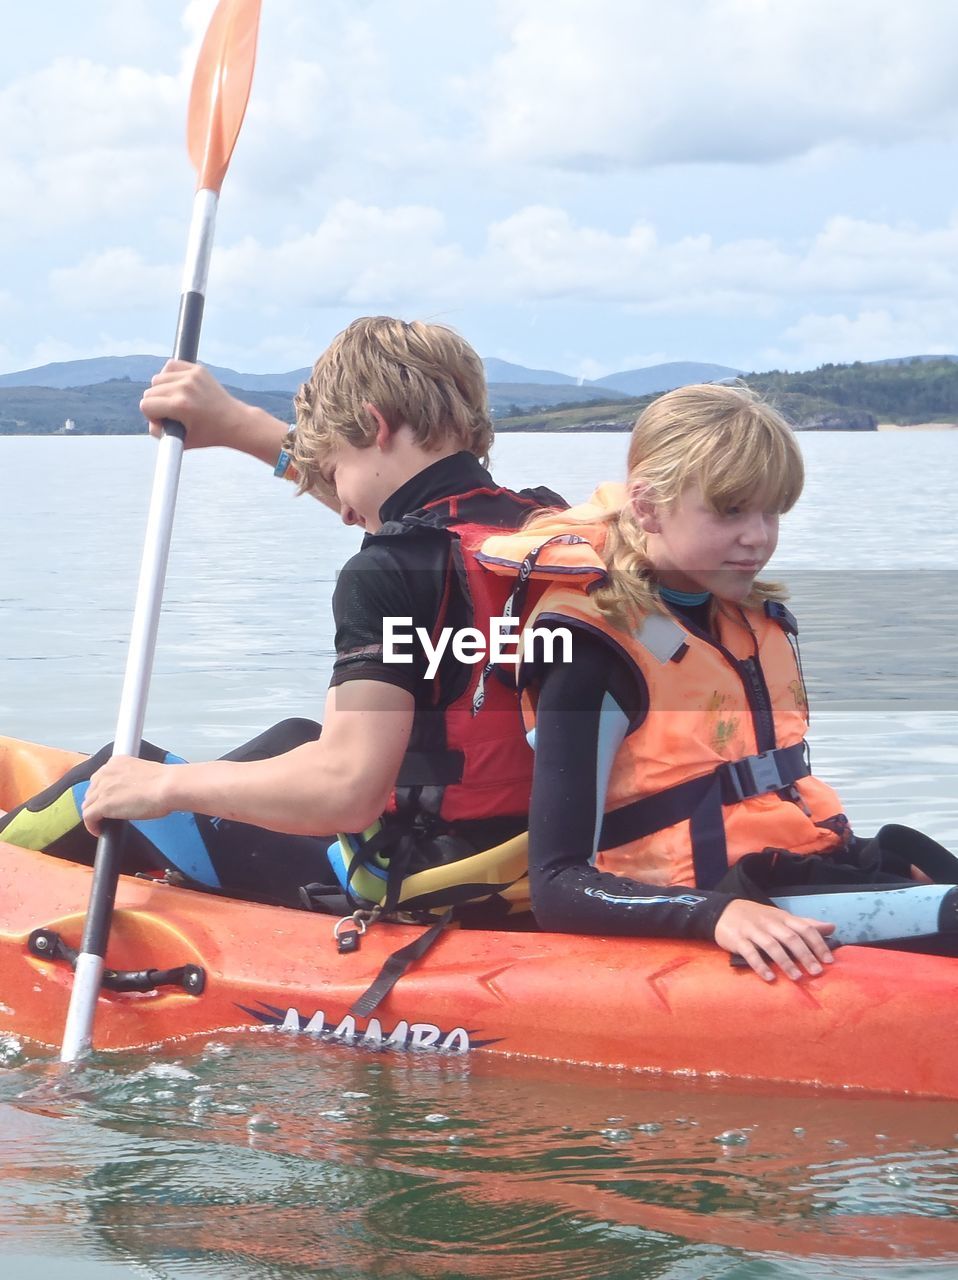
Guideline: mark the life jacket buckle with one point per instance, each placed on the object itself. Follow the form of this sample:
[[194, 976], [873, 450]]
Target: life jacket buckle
[[752, 776]]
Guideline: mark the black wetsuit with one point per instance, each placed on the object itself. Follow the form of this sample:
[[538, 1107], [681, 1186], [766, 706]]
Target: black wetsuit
[[394, 574]]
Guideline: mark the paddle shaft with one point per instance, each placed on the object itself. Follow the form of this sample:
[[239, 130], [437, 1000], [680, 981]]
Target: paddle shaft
[[77, 1036]]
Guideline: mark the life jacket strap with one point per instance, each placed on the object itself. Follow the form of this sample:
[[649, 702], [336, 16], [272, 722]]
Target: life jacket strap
[[699, 802]]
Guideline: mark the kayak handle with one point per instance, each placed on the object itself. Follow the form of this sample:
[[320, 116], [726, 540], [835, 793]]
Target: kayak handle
[[46, 944]]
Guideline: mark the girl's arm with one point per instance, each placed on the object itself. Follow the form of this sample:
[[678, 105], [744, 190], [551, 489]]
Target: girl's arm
[[584, 712]]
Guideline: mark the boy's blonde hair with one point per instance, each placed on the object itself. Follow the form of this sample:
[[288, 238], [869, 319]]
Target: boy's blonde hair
[[734, 445], [425, 375]]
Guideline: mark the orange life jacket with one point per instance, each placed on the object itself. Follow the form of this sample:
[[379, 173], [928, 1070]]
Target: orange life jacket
[[718, 766]]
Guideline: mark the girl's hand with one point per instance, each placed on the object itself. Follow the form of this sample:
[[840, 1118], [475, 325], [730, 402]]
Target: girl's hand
[[750, 928]]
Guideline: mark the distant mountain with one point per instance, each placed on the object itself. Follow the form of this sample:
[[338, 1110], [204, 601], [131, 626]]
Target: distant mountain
[[88, 373], [503, 371], [665, 377], [141, 368], [511, 397]]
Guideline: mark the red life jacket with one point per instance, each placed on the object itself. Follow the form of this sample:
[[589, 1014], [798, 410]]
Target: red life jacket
[[468, 757]]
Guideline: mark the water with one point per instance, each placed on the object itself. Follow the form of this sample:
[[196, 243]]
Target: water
[[262, 1156]]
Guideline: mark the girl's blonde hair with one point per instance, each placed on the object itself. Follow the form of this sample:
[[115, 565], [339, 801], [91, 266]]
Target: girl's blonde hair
[[727, 440], [425, 375]]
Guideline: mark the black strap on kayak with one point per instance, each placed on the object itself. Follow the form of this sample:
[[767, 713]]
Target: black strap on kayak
[[46, 944], [394, 968]]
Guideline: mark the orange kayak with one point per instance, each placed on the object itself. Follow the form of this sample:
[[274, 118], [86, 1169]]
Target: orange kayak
[[880, 1021]]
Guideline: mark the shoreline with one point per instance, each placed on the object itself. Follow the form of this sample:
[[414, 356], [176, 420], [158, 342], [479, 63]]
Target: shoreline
[[917, 426]]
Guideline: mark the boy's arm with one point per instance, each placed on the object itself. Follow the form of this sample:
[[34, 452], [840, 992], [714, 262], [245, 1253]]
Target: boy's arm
[[189, 393], [342, 782]]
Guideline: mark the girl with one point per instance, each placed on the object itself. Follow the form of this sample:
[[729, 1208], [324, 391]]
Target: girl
[[672, 793]]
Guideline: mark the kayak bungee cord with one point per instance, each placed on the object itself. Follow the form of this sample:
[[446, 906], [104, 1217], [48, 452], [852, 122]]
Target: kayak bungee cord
[[218, 98]]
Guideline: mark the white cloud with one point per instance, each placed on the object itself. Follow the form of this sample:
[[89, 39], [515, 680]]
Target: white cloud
[[542, 253], [365, 256], [54, 350], [428, 159], [114, 279], [358, 255], [80, 141], [876, 334], [588, 368], [593, 84]]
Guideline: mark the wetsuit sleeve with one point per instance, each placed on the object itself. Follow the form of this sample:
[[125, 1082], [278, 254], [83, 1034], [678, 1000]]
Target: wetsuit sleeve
[[585, 708], [372, 586]]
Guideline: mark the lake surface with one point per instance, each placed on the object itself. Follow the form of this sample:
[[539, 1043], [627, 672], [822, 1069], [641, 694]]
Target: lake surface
[[261, 1156]]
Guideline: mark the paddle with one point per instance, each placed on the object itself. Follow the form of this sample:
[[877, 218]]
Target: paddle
[[221, 85]]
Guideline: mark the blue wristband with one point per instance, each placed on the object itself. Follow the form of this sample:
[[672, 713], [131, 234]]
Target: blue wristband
[[282, 463]]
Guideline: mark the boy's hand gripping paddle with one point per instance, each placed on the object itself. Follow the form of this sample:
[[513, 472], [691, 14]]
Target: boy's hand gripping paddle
[[221, 85]]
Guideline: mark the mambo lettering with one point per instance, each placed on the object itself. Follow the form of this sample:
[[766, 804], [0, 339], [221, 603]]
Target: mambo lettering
[[405, 1035], [468, 644]]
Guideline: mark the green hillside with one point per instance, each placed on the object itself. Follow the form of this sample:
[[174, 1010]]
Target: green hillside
[[850, 397], [104, 409]]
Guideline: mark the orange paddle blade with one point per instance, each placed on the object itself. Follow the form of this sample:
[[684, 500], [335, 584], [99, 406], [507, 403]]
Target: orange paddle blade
[[221, 85]]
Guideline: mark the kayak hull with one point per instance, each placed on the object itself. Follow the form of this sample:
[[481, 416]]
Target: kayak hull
[[879, 1021]]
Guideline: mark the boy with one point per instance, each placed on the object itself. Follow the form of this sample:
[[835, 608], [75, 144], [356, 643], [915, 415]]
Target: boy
[[392, 429]]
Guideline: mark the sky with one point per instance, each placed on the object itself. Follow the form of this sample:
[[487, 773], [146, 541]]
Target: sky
[[579, 185]]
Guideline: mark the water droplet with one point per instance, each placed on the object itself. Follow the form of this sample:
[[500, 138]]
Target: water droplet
[[653, 1126], [11, 1050], [436, 1117], [617, 1135], [798, 1131], [261, 1124], [169, 1071], [732, 1138], [354, 1093]]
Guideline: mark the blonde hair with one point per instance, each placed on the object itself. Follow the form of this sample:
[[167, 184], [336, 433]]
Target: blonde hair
[[425, 375], [734, 445]]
